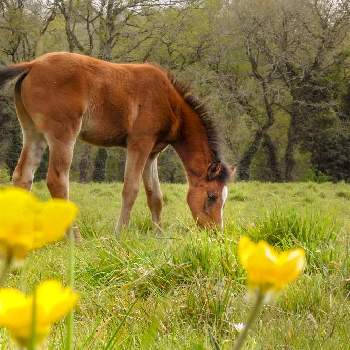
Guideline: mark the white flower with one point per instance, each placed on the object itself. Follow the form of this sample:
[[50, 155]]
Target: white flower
[[239, 326]]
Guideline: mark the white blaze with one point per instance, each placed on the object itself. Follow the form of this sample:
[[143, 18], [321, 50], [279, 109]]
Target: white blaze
[[224, 197], [224, 194]]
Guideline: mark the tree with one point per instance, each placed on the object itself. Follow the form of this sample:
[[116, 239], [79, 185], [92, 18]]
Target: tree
[[24, 24], [108, 22], [84, 163], [99, 174], [272, 72], [295, 44], [14, 149]]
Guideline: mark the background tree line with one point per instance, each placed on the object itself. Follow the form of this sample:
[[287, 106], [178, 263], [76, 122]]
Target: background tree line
[[274, 74]]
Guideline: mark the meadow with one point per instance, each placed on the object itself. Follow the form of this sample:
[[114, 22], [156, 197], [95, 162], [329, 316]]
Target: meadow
[[183, 288]]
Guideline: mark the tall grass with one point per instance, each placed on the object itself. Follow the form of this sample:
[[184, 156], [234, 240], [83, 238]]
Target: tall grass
[[184, 289], [311, 229]]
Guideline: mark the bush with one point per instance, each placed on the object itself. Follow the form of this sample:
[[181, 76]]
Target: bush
[[4, 175], [331, 156], [317, 176]]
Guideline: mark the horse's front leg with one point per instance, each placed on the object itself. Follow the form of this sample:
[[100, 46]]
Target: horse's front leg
[[138, 152]]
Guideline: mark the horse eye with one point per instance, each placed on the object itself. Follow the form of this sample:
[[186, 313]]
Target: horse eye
[[212, 197]]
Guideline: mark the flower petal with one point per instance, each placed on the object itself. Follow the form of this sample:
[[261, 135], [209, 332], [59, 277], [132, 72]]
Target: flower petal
[[55, 217], [268, 269]]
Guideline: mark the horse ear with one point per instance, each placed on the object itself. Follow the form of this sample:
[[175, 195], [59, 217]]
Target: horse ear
[[215, 170], [220, 171]]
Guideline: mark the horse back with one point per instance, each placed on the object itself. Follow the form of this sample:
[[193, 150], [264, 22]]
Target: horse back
[[108, 102]]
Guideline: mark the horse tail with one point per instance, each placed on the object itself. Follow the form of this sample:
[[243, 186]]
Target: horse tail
[[11, 72]]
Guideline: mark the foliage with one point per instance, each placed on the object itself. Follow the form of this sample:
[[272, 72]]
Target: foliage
[[331, 155], [275, 73], [4, 175]]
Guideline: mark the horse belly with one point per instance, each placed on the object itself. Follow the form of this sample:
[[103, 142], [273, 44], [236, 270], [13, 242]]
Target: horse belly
[[103, 128]]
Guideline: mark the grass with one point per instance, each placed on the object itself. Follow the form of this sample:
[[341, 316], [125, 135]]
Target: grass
[[184, 288]]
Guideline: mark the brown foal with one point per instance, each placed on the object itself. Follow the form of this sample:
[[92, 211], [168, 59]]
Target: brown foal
[[62, 96]]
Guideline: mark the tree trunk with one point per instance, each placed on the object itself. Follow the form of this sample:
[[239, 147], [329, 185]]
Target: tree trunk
[[14, 149], [99, 174], [248, 156], [106, 32], [105, 51], [272, 158], [84, 164], [289, 154]]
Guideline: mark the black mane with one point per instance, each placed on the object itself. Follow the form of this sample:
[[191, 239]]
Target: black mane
[[214, 140]]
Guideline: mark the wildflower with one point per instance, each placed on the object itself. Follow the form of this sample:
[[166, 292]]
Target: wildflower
[[26, 223], [267, 269], [239, 326], [52, 303]]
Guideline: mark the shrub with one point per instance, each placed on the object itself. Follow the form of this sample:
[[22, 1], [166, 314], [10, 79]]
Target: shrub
[[4, 175]]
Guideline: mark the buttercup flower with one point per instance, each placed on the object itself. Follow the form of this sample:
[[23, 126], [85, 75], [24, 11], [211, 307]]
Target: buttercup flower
[[268, 269], [52, 303], [26, 223]]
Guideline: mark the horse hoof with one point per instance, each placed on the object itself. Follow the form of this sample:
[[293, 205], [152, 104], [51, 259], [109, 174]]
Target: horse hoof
[[157, 228]]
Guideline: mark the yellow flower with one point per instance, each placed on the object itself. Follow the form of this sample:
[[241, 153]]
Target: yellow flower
[[52, 300], [26, 223], [268, 269]]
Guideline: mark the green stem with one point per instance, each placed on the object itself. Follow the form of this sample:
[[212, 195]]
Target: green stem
[[70, 317], [6, 268], [254, 313], [33, 325]]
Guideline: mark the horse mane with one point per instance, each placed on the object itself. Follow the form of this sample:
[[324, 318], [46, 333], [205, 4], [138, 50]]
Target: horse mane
[[214, 140]]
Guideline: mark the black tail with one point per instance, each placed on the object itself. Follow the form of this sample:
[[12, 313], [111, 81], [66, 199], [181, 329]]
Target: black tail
[[11, 72]]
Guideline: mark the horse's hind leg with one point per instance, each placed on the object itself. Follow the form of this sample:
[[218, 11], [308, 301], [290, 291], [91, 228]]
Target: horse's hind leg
[[33, 148], [60, 160], [138, 152], [152, 188], [34, 145]]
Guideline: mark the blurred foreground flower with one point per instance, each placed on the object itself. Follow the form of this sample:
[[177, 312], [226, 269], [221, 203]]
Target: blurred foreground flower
[[52, 303], [268, 271], [27, 224]]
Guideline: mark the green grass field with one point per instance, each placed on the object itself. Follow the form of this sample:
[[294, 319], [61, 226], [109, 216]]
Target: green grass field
[[183, 288]]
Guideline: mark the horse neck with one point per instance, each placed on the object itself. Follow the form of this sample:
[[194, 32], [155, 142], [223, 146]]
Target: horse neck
[[193, 147]]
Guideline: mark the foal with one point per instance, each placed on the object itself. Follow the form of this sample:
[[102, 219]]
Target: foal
[[62, 96]]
